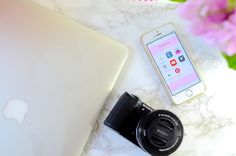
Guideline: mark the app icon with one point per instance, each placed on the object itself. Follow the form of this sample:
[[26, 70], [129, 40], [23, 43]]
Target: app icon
[[177, 51], [169, 76], [164, 66], [173, 62], [177, 70], [160, 57], [181, 58], [169, 54]]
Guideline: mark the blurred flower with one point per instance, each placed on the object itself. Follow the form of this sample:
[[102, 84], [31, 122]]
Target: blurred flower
[[214, 20]]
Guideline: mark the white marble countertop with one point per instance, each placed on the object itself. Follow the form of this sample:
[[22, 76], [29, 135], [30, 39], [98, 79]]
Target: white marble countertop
[[209, 120]]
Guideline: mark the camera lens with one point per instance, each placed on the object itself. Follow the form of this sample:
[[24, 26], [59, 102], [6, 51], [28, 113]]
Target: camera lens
[[160, 133]]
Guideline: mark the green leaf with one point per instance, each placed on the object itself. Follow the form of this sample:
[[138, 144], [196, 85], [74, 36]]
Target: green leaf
[[231, 5], [179, 1], [231, 60]]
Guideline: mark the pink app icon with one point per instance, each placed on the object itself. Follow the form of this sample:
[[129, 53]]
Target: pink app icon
[[178, 51], [177, 70]]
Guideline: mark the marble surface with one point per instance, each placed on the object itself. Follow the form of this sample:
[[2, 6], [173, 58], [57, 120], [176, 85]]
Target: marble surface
[[209, 120]]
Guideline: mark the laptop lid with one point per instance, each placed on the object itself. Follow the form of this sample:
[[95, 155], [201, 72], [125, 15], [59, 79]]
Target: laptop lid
[[55, 76]]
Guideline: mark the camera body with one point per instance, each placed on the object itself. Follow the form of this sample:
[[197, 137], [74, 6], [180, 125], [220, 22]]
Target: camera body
[[157, 132]]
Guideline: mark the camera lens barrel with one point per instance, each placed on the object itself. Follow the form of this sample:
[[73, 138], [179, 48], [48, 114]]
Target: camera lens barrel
[[160, 133]]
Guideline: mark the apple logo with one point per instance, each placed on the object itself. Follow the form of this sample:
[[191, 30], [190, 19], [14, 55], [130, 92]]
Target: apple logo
[[16, 109]]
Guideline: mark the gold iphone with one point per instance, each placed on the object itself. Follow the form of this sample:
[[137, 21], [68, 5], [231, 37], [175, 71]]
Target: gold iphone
[[169, 57]]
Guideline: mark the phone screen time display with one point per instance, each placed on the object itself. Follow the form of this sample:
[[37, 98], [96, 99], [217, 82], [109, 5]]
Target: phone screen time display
[[173, 63]]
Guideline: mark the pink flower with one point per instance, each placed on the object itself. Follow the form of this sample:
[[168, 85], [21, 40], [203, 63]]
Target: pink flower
[[214, 21]]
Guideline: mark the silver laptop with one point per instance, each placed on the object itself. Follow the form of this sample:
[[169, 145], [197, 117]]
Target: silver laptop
[[54, 78]]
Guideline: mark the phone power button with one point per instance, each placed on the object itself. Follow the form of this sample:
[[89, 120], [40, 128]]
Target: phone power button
[[189, 93]]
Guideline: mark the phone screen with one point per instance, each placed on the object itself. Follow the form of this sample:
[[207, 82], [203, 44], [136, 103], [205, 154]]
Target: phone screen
[[173, 63]]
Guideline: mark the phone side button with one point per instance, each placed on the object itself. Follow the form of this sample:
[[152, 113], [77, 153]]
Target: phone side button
[[189, 93]]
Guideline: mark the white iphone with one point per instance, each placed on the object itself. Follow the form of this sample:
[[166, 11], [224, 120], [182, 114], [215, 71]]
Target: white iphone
[[169, 57]]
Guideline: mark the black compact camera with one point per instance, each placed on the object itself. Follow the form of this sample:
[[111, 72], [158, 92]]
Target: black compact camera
[[158, 132]]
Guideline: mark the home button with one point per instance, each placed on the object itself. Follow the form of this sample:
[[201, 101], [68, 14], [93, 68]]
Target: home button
[[189, 93]]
